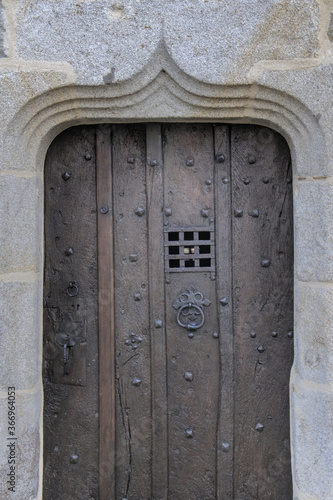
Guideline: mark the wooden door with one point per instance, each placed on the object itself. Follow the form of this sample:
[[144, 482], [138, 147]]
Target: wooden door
[[168, 313]]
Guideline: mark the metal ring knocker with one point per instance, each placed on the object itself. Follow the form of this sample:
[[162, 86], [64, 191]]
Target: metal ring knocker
[[72, 289], [190, 326]]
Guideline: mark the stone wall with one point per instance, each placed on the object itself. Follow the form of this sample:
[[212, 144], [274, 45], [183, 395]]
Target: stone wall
[[66, 62]]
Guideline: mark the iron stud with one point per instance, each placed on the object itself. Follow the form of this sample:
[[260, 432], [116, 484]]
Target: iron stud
[[261, 348], [216, 335], [137, 296], [104, 210], [190, 335], [225, 180], [139, 211], [205, 213], [133, 257], [153, 163], [225, 447], [290, 335], [253, 335], [274, 334], [208, 182], [188, 376], [246, 181], [168, 212], [74, 459], [252, 159], [87, 156], [265, 263], [224, 301], [136, 381], [265, 180], [220, 158], [259, 427], [158, 323], [69, 251], [189, 162], [189, 433], [130, 160], [238, 213], [254, 213], [66, 176]]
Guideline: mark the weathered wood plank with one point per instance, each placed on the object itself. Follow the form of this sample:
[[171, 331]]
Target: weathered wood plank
[[106, 330], [154, 180]]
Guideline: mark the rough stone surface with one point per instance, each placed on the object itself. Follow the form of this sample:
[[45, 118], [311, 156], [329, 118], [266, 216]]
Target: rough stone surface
[[20, 338], [312, 426], [3, 49], [311, 86], [28, 412], [313, 203], [211, 40], [314, 338], [20, 224]]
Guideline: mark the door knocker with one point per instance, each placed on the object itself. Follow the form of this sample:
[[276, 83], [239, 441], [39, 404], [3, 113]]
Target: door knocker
[[190, 313]]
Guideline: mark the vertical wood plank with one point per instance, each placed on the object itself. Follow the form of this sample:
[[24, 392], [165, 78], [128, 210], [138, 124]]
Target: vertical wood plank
[[224, 299], [154, 181], [263, 311], [105, 315]]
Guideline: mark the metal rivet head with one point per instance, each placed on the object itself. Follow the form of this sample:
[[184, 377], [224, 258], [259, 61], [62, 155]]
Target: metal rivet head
[[224, 301], [136, 381], [274, 334], [253, 335], [225, 447], [190, 335], [189, 162], [225, 180], [252, 159], [137, 296], [265, 180], [205, 213], [216, 335], [188, 376], [259, 427], [246, 181], [220, 158], [238, 213], [158, 323], [153, 163], [74, 459], [290, 335], [168, 212], [87, 156], [289, 181], [254, 213], [130, 160], [69, 251], [133, 257], [261, 348], [189, 433], [104, 210], [208, 182], [66, 176], [139, 211], [265, 263]]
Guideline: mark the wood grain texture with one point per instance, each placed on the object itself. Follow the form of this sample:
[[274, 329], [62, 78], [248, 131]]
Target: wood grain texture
[[70, 401], [106, 328], [263, 304]]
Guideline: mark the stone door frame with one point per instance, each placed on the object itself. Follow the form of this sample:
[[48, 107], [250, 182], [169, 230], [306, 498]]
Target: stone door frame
[[159, 93]]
